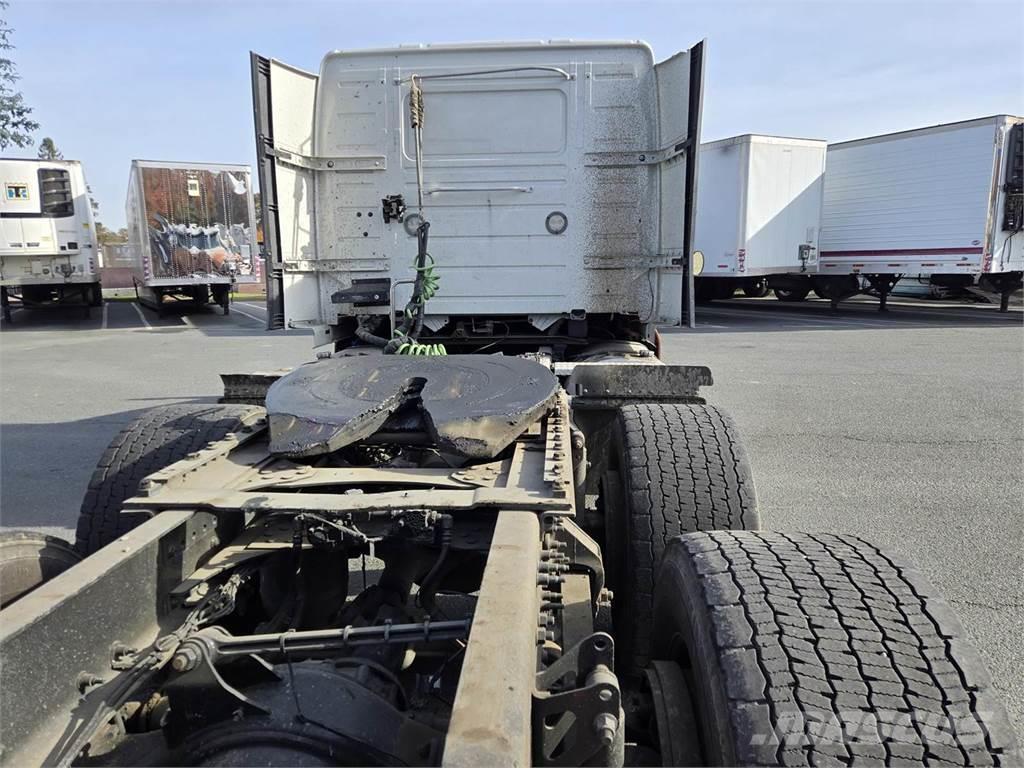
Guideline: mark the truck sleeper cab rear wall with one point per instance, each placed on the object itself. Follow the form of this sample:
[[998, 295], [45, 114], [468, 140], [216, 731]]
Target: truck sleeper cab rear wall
[[555, 180]]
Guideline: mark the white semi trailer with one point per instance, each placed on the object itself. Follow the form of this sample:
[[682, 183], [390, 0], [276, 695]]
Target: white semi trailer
[[48, 251], [758, 208], [942, 203], [191, 230]]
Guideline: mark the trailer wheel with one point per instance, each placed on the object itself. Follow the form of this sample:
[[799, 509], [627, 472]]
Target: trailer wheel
[[675, 468], [836, 288], [791, 294], [28, 560], [200, 294], [222, 297], [725, 288], [821, 649], [96, 295], [158, 437], [756, 288], [158, 302]]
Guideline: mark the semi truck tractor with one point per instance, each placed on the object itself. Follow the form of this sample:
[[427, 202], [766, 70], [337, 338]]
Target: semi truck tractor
[[486, 525], [48, 246]]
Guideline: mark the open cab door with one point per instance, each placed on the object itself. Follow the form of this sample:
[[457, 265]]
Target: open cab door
[[680, 91], [284, 101]]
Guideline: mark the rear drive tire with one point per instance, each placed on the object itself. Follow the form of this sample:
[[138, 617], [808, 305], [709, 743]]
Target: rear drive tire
[[677, 468], [29, 560], [791, 294], [157, 438], [821, 649]]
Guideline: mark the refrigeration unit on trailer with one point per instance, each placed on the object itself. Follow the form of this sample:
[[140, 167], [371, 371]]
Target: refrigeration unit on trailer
[[758, 208], [191, 229], [942, 203], [48, 251]]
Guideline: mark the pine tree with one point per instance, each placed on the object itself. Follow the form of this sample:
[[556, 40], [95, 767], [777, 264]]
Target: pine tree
[[16, 125]]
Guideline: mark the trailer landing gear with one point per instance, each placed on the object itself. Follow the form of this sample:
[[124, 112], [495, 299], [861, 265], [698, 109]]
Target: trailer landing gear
[[836, 289], [5, 302], [884, 285], [1004, 284]]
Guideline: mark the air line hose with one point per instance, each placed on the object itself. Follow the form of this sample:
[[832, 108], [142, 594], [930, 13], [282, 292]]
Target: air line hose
[[404, 340], [425, 285]]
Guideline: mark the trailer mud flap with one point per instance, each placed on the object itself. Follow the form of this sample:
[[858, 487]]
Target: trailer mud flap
[[603, 385]]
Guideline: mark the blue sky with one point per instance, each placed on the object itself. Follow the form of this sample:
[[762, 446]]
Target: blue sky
[[113, 81]]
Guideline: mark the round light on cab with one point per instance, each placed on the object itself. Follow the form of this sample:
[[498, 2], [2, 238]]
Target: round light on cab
[[556, 222], [412, 222]]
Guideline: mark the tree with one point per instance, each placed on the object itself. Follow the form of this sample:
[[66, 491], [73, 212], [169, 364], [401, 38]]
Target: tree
[[48, 150], [108, 237], [16, 126]]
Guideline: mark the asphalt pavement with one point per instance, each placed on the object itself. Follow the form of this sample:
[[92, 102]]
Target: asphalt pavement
[[906, 427]]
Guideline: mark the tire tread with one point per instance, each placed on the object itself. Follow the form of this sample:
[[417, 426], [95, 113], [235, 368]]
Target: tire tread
[[685, 469], [158, 437], [828, 629]]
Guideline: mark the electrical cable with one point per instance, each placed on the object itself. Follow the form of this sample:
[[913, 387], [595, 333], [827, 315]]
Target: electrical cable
[[405, 337], [654, 301], [428, 587]]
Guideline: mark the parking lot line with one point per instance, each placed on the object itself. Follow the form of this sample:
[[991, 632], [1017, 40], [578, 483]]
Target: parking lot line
[[260, 320], [794, 317], [862, 314], [142, 317], [106, 310]]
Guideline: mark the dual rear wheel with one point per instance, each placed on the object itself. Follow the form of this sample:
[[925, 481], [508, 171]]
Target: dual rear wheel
[[742, 647]]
